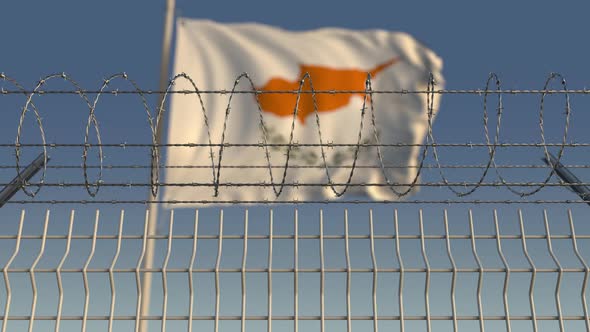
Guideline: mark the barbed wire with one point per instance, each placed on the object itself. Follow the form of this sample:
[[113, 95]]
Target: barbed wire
[[278, 184], [262, 92], [427, 166], [296, 202], [301, 184], [297, 145]]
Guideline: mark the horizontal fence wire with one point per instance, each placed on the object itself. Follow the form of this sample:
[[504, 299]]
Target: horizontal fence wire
[[245, 270], [429, 157]]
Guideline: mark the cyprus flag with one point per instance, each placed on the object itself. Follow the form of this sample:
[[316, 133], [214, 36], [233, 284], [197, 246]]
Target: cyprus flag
[[217, 138]]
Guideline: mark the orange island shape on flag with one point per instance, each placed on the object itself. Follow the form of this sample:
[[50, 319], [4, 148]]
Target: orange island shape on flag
[[323, 78]]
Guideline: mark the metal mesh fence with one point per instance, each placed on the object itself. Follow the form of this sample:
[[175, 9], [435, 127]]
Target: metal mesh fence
[[491, 241], [286, 271]]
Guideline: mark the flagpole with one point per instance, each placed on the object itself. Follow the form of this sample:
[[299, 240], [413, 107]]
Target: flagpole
[[153, 207]]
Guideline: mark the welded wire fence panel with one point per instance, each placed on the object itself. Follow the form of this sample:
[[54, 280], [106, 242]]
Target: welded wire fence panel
[[285, 271], [492, 240]]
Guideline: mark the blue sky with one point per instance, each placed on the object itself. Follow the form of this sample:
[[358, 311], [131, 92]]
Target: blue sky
[[522, 42]]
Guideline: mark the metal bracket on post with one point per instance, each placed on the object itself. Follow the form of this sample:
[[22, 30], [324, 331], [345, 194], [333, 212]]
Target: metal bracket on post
[[24, 176], [568, 177]]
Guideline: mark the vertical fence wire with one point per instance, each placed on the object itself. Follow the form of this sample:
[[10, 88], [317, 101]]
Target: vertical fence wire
[[427, 280], [296, 271], [32, 271], [559, 273], [243, 273], [480, 272], [506, 276], [59, 269], [269, 280], [533, 275], [401, 273], [454, 272], [85, 272], [322, 276], [375, 270], [112, 274], [191, 267], [138, 269], [7, 267], [348, 273], [165, 274], [217, 268], [586, 269]]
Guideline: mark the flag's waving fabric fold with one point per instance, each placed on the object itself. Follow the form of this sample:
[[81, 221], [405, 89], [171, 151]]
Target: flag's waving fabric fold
[[214, 55]]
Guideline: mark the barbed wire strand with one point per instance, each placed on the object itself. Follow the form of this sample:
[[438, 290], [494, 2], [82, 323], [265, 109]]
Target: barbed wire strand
[[93, 187]]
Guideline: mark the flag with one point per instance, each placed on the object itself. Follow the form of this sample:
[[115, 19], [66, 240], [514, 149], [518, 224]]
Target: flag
[[214, 55]]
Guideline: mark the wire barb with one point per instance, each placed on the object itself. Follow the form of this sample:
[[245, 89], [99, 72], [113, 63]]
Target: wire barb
[[217, 151]]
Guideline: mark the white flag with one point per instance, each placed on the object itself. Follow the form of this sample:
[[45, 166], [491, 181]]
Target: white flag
[[215, 54]]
